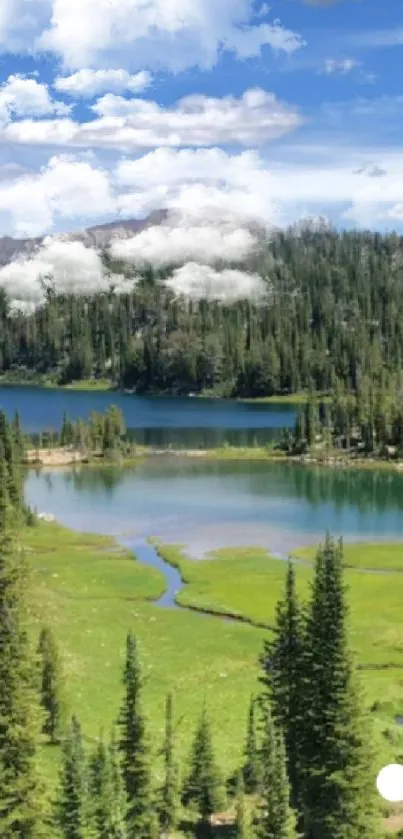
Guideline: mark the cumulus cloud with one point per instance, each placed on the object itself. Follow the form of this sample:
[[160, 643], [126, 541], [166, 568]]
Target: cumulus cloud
[[67, 188], [22, 96], [66, 267], [88, 83], [157, 33], [191, 181], [208, 238], [169, 34], [128, 124], [203, 282]]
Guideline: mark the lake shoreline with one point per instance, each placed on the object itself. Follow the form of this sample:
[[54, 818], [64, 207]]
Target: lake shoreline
[[64, 456], [104, 386]]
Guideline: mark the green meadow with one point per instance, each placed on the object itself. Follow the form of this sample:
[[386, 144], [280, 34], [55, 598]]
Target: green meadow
[[91, 592]]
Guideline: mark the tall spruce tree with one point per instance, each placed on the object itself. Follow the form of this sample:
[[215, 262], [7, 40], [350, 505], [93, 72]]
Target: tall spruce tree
[[276, 820], [135, 748], [73, 803], [282, 662], [107, 789], [170, 792], [50, 685], [241, 830], [338, 775], [203, 785], [251, 767], [22, 805]]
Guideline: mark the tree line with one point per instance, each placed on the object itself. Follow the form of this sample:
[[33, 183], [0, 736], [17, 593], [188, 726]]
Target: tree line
[[333, 313], [368, 422], [102, 434], [306, 764]]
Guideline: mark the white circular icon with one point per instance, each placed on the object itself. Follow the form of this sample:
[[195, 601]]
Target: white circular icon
[[390, 782]]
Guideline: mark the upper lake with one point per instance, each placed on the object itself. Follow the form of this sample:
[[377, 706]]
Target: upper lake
[[154, 420]]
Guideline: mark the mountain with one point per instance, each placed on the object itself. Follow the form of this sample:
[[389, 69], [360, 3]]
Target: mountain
[[98, 236]]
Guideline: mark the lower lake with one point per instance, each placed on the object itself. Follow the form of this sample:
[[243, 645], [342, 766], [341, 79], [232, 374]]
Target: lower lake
[[205, 505]]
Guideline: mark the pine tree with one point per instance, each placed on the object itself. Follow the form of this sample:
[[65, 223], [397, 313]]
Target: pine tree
[[251, 767], [203, 786], [108, 793], [23, 811], [18, 436], [134, 747], [277, 820], [169, 796], [338, 775], [73, 804], [241, 831], [282, 662], [50, 685]]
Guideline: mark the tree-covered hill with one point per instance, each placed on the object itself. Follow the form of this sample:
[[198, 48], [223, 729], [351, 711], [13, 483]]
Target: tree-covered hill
[[333, 312]]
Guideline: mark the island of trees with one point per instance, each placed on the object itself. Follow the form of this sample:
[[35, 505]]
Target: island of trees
[[306, 767]]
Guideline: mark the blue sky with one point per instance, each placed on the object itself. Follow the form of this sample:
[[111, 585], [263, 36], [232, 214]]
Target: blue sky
[[112, 108]]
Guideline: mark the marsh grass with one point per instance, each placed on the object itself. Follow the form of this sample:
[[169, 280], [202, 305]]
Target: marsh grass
[[91, 594]]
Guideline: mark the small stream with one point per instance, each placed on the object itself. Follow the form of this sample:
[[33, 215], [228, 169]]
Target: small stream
[[146, 553]]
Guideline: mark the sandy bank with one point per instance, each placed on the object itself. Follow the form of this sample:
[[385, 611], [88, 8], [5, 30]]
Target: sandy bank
[[63, 456]]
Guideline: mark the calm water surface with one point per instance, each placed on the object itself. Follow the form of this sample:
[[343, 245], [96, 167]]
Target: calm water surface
[[205, 505], [154, 420]]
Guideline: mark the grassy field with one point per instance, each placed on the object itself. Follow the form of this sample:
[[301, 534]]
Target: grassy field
[[91, 595], [91, 592]]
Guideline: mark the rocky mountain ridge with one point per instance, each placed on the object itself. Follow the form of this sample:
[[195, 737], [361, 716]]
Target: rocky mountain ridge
[[98, 236]]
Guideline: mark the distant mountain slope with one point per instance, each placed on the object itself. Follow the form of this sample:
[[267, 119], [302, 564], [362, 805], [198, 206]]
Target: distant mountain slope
[[98, 236]]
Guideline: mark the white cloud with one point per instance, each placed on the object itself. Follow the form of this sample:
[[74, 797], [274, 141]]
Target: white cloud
[[136, 34], [68, 267], [195, 181], [204, 184], [21, 96], [129, 124], [66, 188], [88, 83], [173, 34], [201, 281], [341, 66], [207, 237]]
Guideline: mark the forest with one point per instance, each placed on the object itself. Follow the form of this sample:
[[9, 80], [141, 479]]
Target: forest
[[332, 317], [306, 761]]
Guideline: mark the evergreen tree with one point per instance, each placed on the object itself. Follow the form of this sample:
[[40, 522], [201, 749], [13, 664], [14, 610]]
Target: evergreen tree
[[73, 804], [108, 793], [18, 436], [251, 767], [169, 797], [282, 662], [134, 747], [50, 685], [339, 796], [23, 811], [203, 786], [241, 831], [277, 820]]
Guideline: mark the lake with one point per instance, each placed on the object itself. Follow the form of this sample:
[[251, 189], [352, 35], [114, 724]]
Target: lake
[[205, 505], [157, 421], [200, 504]]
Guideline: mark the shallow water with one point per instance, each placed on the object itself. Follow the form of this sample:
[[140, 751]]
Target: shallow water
[[206, 505]]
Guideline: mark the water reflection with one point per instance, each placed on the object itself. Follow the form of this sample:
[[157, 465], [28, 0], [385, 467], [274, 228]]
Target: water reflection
[[206, 504]]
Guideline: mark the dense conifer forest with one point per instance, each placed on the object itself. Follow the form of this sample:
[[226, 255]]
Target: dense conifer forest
[[306, 767], [332, 316]]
